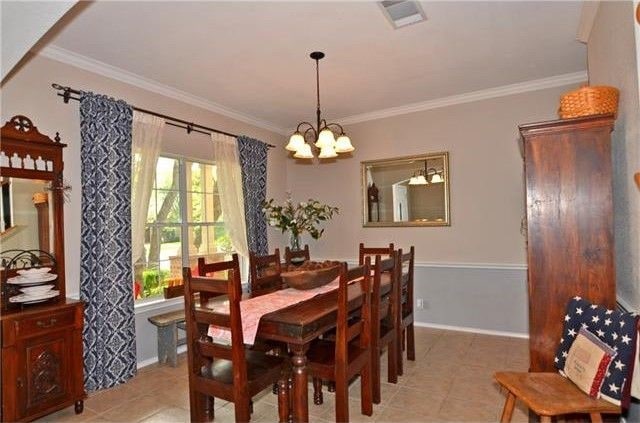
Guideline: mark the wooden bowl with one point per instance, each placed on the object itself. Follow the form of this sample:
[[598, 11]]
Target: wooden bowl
[[309, 279]]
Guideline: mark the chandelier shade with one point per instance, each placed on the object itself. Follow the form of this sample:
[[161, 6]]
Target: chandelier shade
[[322, 135]]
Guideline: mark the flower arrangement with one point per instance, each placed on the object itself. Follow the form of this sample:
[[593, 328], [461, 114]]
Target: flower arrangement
[[298, 218]]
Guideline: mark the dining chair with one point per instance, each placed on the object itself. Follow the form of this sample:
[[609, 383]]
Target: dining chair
[[264, 271], [384, 312], [406, 334], [290, 254], [350, 354], [373, 251], [223, 370]]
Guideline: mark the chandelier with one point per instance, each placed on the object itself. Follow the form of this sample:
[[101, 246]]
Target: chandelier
[[323, 135], [426, 176]]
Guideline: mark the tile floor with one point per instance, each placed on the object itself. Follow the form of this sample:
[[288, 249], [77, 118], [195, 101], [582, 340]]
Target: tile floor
[[451, 380]]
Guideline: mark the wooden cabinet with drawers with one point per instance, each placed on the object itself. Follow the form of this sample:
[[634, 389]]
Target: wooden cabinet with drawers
[[42, 360], [41, 337]]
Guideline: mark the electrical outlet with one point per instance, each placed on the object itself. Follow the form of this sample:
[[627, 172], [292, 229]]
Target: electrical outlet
[[420, 303]]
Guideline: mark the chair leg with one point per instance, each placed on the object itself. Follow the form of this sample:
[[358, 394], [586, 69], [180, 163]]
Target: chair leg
[[283, 400], [399, 350], [375, 374], [366, 390], [342, 400], [392, 362], [198, 406], [411, 343], [317, 391], [331, 386], [242, 410], [507, 411], [275, 389], [596, 417]]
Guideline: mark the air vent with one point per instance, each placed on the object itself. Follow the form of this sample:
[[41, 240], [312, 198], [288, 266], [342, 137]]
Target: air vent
[[402, 12]]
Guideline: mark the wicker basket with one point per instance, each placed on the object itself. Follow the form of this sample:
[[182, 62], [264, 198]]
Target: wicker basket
[[587, 101]]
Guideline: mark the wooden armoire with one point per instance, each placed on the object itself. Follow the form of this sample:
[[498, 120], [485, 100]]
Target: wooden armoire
[[570, 251]]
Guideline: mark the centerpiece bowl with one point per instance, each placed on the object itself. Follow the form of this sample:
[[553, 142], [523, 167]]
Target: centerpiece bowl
[[311, 274]]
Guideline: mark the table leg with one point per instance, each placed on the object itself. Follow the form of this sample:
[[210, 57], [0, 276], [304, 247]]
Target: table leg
[[300, 379]]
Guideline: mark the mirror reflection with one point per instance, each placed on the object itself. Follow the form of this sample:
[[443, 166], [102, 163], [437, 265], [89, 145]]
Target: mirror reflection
[[26, 215], [406, 191]]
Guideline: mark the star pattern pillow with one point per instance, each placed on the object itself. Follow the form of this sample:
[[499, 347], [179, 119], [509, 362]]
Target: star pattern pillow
[[616, 329]]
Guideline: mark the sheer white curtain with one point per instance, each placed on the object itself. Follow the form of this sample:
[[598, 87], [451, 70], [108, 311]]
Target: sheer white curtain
[[225, 154], [145, 149]]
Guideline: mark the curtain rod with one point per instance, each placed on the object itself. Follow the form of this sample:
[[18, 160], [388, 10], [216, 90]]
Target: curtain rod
[[179, 123]]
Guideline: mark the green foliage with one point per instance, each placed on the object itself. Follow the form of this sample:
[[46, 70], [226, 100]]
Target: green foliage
[[223, 242], [152, 282], [299, 218]]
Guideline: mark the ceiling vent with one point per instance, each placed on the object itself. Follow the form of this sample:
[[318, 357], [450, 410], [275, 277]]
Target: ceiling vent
[[401, 13]]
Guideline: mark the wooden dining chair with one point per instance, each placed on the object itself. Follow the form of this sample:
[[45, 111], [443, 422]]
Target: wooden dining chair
[[290, 254], [374, 251], [222, 370], [264, 271], [384, 312], [350, 354], [406, 334]]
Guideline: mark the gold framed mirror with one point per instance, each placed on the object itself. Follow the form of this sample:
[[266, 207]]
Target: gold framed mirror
[[406, 191]]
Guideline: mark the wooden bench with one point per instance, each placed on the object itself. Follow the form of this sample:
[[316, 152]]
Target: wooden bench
[[168, 340]]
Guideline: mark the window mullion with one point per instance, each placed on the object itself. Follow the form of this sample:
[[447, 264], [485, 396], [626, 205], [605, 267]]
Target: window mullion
[[182, 196]]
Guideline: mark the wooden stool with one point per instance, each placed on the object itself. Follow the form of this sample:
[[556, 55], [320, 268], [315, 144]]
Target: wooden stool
[[549, 395]]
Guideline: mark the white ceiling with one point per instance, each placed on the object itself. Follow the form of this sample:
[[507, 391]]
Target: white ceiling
[[252, 57]]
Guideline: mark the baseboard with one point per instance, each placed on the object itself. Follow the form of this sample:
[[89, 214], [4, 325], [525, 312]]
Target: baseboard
[[154, 360], [624, 305], [473, 330]]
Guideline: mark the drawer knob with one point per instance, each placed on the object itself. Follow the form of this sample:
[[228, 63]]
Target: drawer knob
[[42, 324]]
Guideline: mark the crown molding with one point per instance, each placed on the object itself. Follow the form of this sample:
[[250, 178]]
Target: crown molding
[[521, 87], [113, 72], [104, 69]]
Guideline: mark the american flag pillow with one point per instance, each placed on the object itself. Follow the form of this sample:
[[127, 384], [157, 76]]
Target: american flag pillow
[[616, 329]]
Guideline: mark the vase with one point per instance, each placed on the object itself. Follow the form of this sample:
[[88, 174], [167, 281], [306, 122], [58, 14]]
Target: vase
[[294, 242]]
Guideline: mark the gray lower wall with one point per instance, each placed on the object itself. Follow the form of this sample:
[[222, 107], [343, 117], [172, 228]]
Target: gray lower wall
[[483, 298]]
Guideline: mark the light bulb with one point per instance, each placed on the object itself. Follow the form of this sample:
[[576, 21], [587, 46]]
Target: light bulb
[[436, 179], [304, 152], [295, 142], [325, 139], [327, 152], [343, 144]]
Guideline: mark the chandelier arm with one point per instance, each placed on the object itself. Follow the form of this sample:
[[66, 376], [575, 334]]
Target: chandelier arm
[[301, 124], [329, 125], [313, 130]]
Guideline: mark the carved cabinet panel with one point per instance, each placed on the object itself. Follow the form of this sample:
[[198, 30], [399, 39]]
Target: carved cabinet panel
[[42, 366]]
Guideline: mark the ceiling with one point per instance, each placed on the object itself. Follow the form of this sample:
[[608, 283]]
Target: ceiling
[[252, 57]]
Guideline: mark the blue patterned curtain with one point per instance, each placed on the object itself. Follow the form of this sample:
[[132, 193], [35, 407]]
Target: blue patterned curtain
[[253, 162], [105, 270]]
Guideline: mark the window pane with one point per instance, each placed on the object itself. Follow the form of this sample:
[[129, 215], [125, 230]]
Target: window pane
[[167, 206], [196, 207], [167, 171]]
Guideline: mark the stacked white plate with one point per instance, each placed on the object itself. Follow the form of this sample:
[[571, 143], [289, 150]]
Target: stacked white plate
[[33, 285]]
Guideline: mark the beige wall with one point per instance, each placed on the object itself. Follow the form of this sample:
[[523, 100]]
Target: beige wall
[[612, 61], [29, 92], [487, 194]]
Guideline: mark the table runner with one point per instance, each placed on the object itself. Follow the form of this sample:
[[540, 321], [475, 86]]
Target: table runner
[[253, 309]]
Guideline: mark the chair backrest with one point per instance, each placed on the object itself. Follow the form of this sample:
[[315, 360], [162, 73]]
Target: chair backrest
[[264, 271], [349, 329], [373, 251], [290, 254], [405, 270], [210, 269], [202, 349], [388, 307]]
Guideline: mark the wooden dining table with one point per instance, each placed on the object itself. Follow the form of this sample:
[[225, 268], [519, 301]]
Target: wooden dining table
[[298, 325]]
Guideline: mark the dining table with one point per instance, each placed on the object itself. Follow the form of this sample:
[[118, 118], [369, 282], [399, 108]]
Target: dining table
[[298, 325]]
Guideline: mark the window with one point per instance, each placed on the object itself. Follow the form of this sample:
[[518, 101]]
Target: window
[[184, 222]]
